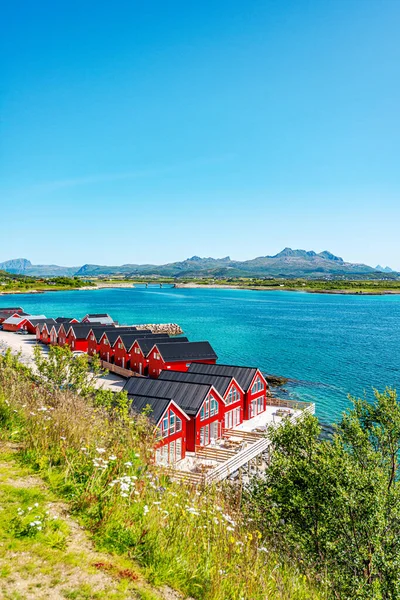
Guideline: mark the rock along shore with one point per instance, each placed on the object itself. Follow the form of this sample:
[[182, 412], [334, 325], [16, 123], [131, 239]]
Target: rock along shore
[[170, 328]]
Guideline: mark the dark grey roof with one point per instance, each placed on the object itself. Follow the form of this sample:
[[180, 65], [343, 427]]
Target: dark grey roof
[[41, 322], [158, 406], [146, 344], [96, 315], [220, 382], [64, 319], [82, 330], [188, 396], [129, 338], [243, 375], [56, 326], [114, 334], [187, 351], [10, 309]]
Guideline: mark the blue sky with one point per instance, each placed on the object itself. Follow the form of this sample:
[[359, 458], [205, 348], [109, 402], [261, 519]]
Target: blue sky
[[152, 131]]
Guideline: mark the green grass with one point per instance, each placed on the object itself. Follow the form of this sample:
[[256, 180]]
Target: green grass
[[192, 540]]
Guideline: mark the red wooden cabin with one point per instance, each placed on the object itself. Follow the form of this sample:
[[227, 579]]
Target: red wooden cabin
[[178, 356], [170, 422], [227, 387], [28, 323], [201, 402], [250, 379], [8, 311]]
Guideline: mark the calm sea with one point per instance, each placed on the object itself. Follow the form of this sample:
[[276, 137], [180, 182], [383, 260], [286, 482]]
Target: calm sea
[[328, 345]]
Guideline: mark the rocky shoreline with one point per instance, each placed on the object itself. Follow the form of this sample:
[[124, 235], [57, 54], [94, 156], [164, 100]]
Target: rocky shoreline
[[170, 328]]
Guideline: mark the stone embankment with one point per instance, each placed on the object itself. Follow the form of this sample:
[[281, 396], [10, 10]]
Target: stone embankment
[[170, 328]]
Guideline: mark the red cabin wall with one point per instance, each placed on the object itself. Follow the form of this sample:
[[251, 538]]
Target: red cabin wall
[[15, 327], [120, 355], [77, 344], [30, 328], [156, 365], [105, 351], [198, 423], [180, 434], [45, 337], [92, 345], [137, 360], [249, 397], [234, 405]]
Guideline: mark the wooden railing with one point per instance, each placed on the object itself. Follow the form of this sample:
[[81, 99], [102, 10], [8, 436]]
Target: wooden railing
[[238, 461], [118, 370], [243, 457], [294, 404]]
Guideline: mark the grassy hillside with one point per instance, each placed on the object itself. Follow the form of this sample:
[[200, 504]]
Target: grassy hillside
[[98, 461], [22, 283]]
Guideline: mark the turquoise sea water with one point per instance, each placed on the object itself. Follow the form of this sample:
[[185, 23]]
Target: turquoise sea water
[[328, 345]]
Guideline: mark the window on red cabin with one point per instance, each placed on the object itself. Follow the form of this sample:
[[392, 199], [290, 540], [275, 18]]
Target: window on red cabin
[[257, 386], [209, 408], [170, 424], [233, 395]]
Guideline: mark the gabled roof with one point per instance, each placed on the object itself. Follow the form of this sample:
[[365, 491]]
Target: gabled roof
[[7, 314], [220, 382], [129, 338], [65, 319], [186, 351], [48, 322], [243, 375], [19, 319], [82, 330], [98, 318], [146, 344], [12, 309], [158, 406], [56, 326], [188, 396], [114, 334]]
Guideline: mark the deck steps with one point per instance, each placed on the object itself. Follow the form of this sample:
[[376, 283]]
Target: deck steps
[[248, 436]]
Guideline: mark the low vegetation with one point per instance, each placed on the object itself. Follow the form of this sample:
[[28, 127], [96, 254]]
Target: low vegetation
[[22, 283], [334, 505], [99, 459]]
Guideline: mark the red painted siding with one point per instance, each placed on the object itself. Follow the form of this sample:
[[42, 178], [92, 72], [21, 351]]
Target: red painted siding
[[156, 364], [138, 361], [196, 423], [178, 435], [77, 344], [13, 327], [252, 405], [237, 407], [104, 350]]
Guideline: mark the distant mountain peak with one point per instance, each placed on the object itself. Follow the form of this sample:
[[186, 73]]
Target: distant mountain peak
[[383, 269], [16, 265], [290, 252], [306, 254]]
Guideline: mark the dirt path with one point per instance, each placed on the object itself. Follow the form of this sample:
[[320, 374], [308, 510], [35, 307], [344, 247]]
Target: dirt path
[[55, 560]]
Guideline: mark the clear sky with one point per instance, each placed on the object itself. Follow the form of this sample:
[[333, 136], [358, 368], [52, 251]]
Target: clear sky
[[152, 131]]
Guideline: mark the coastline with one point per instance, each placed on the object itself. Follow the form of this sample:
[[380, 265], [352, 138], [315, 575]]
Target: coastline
[[69, 289], [216, 286], [286, 289]]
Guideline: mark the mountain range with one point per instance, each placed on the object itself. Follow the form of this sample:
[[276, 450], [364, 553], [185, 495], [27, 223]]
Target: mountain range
[[287, 263]]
